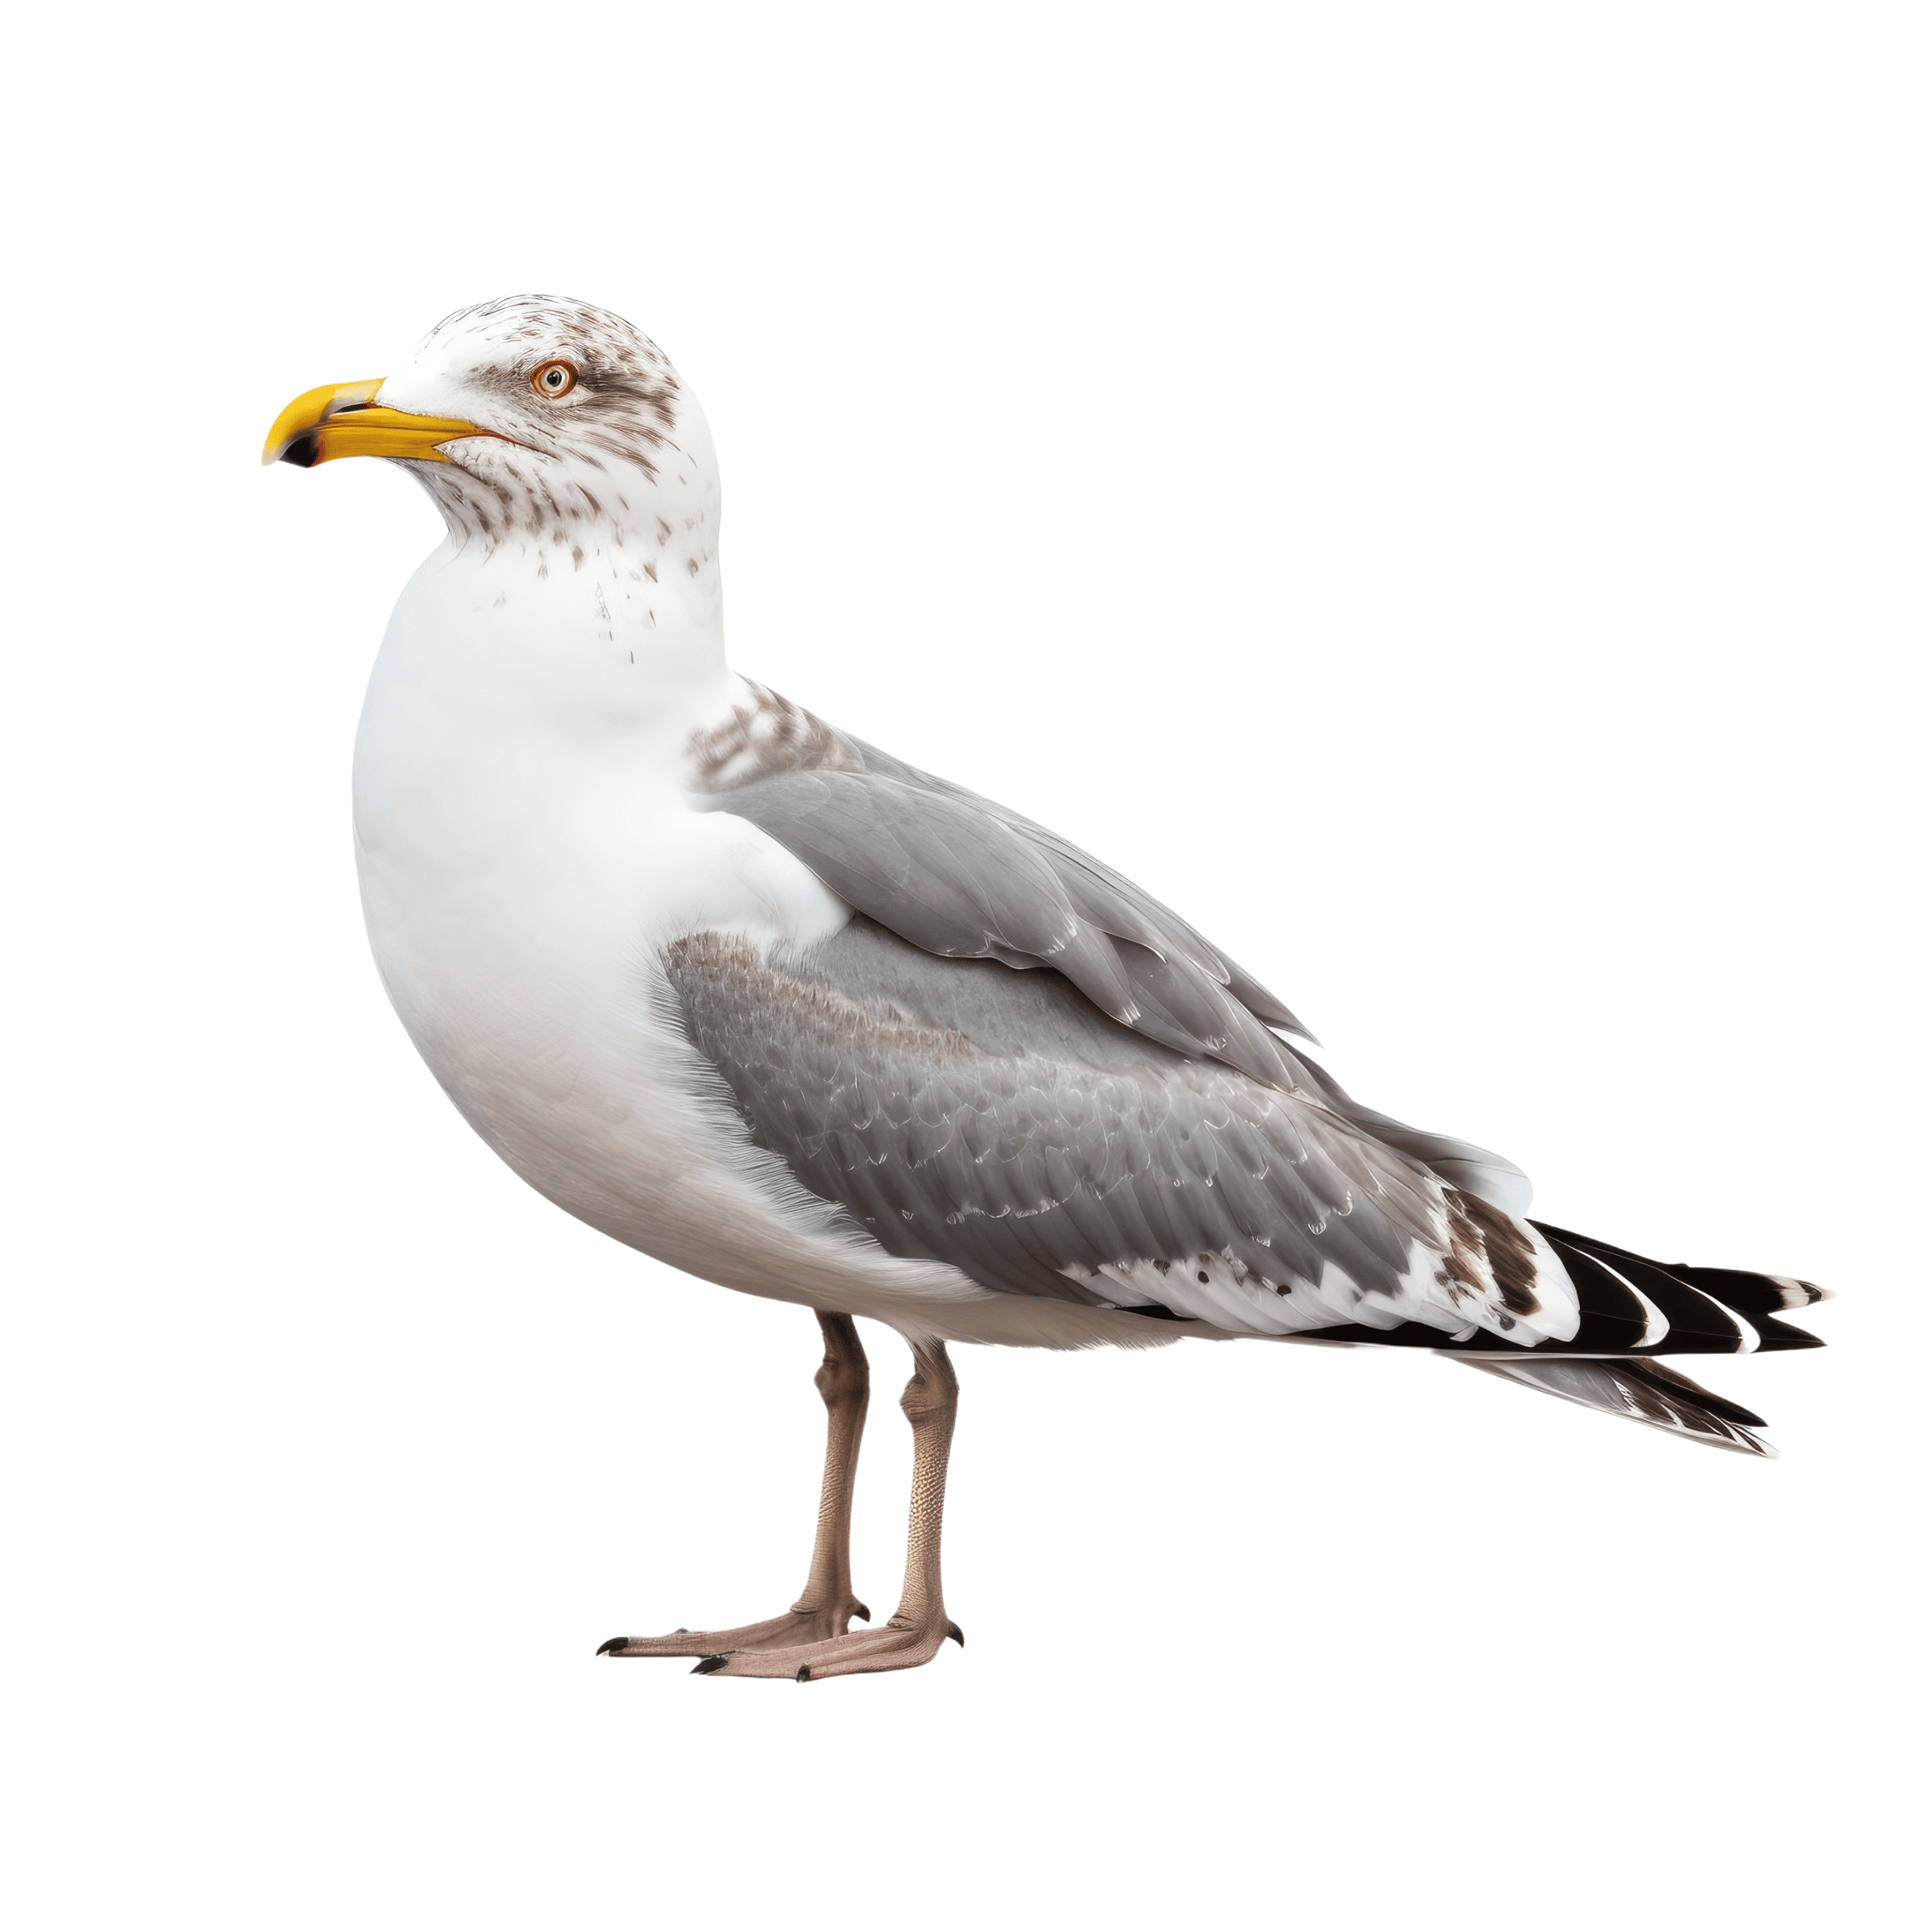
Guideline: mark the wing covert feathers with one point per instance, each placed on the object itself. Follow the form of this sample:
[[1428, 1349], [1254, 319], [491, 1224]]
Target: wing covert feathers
[[997, 1121], [963, 877]]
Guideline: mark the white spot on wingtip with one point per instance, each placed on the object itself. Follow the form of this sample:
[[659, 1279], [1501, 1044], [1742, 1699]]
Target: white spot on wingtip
[[1656, 1324]]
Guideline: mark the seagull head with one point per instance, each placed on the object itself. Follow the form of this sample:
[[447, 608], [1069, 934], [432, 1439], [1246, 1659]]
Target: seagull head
[[528, 418]]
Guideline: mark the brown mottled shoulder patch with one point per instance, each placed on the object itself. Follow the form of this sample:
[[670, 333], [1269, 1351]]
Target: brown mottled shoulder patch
[[739, 992], [768, 735]]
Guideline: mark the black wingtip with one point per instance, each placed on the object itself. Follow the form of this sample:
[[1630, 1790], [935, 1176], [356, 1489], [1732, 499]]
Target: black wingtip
[[611, 1646], [706, 1665]]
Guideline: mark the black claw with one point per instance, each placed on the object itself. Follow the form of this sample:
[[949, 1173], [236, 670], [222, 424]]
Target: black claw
[[706, 1665], [804, 1675], [958, 1635], [611, 1648], [682, 1630], [862, 1613]]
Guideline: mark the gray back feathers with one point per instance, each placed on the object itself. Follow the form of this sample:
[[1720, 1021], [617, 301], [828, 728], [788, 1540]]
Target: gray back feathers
[[964, 878]]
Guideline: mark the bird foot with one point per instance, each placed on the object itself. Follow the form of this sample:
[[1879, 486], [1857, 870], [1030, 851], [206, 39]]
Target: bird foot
[[898, 1644], [799, 1626]]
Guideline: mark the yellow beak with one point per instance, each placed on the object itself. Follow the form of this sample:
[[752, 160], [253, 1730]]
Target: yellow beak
[[342, 418]]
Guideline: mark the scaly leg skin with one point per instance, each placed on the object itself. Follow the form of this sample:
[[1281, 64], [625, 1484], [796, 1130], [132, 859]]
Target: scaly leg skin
[[827, 1605], [917, 1629]]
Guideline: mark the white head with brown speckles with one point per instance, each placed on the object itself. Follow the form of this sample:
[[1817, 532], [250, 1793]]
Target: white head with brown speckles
[[589, 424], [563, 430]]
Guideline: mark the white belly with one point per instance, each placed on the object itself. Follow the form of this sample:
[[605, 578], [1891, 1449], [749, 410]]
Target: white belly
[[525, 846]]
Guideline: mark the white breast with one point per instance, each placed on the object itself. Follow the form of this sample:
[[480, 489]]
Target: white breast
[[525, 845]]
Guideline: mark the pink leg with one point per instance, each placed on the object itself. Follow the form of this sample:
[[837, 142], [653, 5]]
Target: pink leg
[[920, 1625], [826, 1606]]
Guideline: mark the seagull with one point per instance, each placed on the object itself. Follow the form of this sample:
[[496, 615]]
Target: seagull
[[754, 997]]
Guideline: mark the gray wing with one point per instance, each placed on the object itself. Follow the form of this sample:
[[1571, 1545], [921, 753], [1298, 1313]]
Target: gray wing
[[964, 878], [1488, 1176], [998, 1121]]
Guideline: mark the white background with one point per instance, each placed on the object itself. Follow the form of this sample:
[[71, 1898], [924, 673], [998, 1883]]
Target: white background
[[1438, 494]]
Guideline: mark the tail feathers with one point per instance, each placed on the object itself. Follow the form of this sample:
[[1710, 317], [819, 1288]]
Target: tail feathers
[[1643, 1391]]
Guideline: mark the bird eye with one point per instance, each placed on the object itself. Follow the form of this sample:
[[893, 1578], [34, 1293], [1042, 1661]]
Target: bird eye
[[554, 379]]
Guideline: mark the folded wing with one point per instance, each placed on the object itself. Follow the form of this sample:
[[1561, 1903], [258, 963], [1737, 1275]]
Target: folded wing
[[964, 878], [1000, 1122]]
